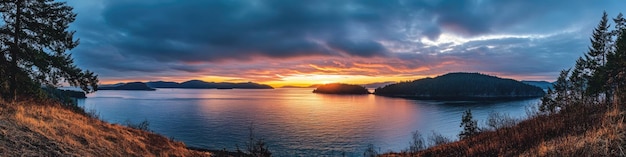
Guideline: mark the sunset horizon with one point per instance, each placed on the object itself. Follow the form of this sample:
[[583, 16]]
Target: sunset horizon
[[308, 80], [358, 42]]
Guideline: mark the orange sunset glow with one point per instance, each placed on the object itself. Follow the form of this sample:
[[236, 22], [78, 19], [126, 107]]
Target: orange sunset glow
[[317, 47]]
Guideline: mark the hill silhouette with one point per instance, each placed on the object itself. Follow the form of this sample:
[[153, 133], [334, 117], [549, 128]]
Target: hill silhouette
[[461, 86], [340, 88], [197, 84], [192, 84], [162, 84], [128, 86], [378, 84]]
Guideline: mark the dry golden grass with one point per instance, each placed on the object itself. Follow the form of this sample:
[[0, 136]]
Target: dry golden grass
[[48, 129], [605, 140], [577, 131]]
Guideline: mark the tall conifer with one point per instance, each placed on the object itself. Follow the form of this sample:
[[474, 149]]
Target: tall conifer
[[35, 38]]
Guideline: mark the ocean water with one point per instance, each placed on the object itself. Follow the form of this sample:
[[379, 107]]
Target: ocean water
[[292, 121]]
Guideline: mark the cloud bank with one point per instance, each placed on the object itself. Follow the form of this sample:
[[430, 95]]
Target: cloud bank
[[263, 40]]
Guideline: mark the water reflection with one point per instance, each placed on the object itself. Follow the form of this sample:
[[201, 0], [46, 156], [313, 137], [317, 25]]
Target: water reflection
[[293, 121]]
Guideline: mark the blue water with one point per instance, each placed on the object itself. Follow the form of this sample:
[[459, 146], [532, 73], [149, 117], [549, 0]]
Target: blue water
[[294, 122]]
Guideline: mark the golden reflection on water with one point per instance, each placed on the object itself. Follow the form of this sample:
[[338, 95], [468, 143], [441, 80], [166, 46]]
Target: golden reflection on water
[[323, 118]]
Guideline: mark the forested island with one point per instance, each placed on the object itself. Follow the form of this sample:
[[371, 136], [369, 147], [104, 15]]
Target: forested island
[[127, 86], [340, 88], [197, 84], [192, 84], [461, 86]]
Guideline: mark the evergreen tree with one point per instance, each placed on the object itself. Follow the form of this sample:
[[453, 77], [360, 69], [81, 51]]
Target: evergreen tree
[[579, 81], [470, 126], [548, 104], [562, 90], [596, 57], [34, 40], [560, 97], [616, 68], [599, 43], [620, 24]]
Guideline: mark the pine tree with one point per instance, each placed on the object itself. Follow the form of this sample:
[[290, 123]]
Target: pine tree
[[548, 104], [579, 81], [616, 68], [470, 126], [562, 88], [620, 24], [600, 43], [596, 58], [34, 40], [560, 97]]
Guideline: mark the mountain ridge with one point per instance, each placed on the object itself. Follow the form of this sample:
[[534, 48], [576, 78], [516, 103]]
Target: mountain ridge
[[128, 86], [199, 84]]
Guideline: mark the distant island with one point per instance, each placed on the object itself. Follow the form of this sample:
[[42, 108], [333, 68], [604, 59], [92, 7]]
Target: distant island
[[296, 86], [197, 84], [369, 85], [340, 88], [292, 86], [461, 86], [192, 84], [127, 86], [378, 84]]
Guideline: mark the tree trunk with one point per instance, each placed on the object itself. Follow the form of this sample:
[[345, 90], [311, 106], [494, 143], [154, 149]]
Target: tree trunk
[[15, 50]]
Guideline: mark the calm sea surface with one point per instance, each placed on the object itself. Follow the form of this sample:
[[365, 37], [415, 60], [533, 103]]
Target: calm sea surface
[[294, 122]]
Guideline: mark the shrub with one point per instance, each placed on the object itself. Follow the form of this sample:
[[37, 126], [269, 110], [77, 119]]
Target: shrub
[[143, 125], [436, 139], [256, 146], [416, 143], [93, 113], [470, 126], [497, 120]]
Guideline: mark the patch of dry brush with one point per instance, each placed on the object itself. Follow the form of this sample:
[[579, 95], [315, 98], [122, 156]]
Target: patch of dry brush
[[49, 129], [578, 131]]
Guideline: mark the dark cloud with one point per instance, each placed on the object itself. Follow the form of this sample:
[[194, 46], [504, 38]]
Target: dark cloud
[[216, 37], [365, 48], [213, 30]]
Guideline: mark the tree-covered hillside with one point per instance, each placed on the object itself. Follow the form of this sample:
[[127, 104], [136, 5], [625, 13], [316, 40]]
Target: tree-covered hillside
[[340, 88], [129, 86], [461, 86]]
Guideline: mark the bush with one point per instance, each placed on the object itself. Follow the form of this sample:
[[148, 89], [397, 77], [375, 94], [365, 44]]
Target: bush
[[436, 139], [93, 113], [470, 126], [416, 143], [532, 111], [256, 146], [140, 126], [497, 120]]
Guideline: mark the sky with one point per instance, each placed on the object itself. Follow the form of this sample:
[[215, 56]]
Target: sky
[[289, 42]]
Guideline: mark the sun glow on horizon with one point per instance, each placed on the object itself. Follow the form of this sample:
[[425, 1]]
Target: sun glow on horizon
[[306, 80]]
